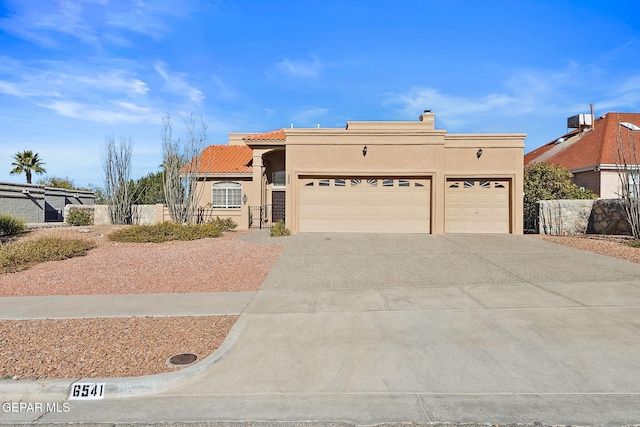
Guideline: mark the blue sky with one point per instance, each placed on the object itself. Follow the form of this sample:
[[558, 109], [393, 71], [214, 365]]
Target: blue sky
[[75, 72]]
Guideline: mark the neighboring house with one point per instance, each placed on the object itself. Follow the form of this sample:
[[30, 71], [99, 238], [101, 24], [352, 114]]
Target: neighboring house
[[400, 177], [590, 151]]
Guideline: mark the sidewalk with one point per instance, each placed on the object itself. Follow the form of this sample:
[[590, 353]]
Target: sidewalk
[[66, 307]]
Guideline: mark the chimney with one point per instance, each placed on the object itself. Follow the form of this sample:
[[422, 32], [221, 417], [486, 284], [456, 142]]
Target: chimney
[[428, 118]]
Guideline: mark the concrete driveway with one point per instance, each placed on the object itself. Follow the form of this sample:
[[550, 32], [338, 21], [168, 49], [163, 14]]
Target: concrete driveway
[[420, 328]]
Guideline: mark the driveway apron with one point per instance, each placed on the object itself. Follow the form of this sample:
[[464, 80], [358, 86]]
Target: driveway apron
[[438, 318]]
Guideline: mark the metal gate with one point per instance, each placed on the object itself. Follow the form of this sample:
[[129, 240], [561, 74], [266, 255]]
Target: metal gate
[[260, 216]]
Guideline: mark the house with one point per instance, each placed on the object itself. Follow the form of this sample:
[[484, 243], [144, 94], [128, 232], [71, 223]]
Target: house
[[590, 151], [368, 177]]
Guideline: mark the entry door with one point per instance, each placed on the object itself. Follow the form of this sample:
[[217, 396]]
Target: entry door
[[477, 206], [278, 203]]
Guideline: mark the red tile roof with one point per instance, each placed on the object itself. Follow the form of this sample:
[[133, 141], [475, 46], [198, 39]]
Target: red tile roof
[[597, 146], [274, 135], [226, 159]]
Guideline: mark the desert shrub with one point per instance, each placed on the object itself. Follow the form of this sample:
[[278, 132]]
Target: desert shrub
[[20, 255], [78, 217], [165, 232], [635, 243], [279, 229], [226, 224], [10, 225]]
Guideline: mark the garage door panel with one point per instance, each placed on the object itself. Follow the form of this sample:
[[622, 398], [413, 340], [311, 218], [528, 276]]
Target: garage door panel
[[365, 205], [477, 206]]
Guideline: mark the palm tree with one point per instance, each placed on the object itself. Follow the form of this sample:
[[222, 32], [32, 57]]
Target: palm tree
[[27, 162]]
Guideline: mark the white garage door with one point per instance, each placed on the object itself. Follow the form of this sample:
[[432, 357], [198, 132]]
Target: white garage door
[[477, 206], [365, 205]]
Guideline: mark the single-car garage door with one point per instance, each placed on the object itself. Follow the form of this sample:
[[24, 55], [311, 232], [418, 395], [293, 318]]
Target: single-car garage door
[[365, 204], [477, 206]]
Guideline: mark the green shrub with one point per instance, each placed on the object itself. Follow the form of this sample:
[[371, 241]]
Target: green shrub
[[78, 216], [634, 243], [279, 229], [226, 224], [165, 232], [10, 225], [17, 256]]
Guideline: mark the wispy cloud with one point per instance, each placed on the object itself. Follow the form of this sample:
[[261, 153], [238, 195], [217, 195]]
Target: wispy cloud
[[177, 83], [300, 68], [309, 116], [113, 112], [525, 95], [93, 22], [97, 94]]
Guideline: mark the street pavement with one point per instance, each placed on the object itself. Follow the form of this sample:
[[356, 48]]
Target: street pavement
[[366, 329]]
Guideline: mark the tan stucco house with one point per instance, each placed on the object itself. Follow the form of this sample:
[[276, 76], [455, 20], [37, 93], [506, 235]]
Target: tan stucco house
[[368, 177]]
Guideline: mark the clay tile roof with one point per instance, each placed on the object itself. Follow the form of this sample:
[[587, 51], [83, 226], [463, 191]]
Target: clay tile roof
[[226, 159], [594, 147], [274, 135]]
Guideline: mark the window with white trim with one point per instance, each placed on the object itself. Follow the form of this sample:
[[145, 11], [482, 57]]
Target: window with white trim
[[227, 194]]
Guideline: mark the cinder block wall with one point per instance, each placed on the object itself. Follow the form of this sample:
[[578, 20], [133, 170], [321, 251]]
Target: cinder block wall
[[35, 203], [23, 201]]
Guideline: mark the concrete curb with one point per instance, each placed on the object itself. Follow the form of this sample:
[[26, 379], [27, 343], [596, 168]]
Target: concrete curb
[[115, 388]]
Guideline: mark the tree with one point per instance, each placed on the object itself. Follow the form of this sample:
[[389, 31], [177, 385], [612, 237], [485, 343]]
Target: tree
[[628, 168], [149, 189], [27, 162], [55, 182], [116, 162], [544, 181], [181, 168]]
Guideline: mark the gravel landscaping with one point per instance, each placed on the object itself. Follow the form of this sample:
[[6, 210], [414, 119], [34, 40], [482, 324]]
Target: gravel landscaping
[[120, 347], [614, 246]]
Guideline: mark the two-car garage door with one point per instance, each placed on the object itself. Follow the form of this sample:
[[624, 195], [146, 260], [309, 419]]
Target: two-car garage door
[[401, 205], [365, 204]]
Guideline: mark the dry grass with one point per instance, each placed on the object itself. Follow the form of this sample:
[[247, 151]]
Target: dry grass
[[20, 255]]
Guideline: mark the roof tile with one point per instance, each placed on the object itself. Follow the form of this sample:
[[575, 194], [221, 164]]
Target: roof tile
[[274, 135], [226, 159]]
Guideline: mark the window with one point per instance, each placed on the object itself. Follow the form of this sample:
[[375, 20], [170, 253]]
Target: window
[[278, 179], [323, 183], [387, 183], [634, 184], [339, 182], [227, 194]]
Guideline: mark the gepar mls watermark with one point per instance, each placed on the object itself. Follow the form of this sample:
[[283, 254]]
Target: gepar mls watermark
[[35, 407]]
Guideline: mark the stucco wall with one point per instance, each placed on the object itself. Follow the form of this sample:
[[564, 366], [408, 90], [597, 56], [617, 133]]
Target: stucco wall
[[602, 216], [404, 149], [239, 215], [37, 204], [609, 184], [146, 214]]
